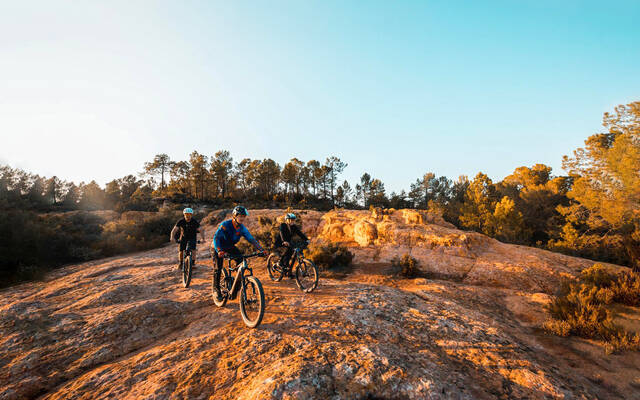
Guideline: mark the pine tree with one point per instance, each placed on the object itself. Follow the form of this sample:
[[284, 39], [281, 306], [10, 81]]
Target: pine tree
[[222, 172], [478, 204], [606, 178], [161, 165]]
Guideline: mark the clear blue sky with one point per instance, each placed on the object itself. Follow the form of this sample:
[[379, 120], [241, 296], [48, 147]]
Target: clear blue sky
[[92, 90]]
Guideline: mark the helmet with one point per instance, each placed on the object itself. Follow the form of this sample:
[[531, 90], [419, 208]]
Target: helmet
[[239, 210], [290, 216], [187, 211]]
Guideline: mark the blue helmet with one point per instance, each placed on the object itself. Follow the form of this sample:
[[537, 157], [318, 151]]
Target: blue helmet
[[239, 210], [290, 216], [187, 211]]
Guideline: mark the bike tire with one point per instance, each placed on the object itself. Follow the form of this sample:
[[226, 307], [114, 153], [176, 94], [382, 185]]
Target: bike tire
[[186, 271], [306, 276], [252, 288], [275, 273], [224, 289]]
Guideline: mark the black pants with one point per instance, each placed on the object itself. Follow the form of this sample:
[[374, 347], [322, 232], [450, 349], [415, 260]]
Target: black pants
[[284, 260], [217, 266], [191, 244]]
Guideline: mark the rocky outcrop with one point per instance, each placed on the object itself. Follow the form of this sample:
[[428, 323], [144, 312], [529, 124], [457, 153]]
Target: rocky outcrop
[[125, 328], [378, 236], [444, 251]]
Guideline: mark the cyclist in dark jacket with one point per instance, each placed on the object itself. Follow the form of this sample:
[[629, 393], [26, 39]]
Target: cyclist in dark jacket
[[186, 231], [224, 242], [288, 230]]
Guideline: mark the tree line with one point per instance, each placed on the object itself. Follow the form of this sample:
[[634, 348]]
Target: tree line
[[593, 211]]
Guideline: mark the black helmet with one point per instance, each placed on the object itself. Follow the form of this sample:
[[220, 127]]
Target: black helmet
[[239, 210]]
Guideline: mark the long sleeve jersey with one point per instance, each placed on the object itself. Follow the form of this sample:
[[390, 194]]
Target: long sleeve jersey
[[287, 233], [228, 234]]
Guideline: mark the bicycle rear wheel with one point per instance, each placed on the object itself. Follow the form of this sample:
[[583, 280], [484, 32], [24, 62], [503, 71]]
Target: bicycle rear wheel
[[252, 302], [275, 271], [306, 276], [224, 289], [186, 270]]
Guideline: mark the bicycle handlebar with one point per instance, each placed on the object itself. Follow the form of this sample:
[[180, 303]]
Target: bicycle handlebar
[[302, 246], [243, 256]]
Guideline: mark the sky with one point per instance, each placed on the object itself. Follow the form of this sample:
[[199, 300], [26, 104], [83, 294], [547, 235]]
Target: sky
[[91, 90]]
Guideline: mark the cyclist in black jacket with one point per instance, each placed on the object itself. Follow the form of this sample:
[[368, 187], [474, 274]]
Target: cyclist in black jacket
[[185, 232], [288, 229]]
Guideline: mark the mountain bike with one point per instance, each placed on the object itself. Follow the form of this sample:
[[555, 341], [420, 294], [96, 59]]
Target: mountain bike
[[306, 272], [187, 265], [252, 301]]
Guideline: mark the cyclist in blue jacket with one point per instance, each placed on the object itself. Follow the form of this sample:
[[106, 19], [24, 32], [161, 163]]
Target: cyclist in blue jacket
[[224, 242]]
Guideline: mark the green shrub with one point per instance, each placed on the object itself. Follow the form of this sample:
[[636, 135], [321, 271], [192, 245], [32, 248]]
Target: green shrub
[[622, 341], [136, 232], [30, 244], [557, 327], [245, 247], [585, 314], [267, 232], [330, 256], [264, 221], [580, 308], [215, 217], [30, 273], [605, 295], [626, 289], [406, 266], [598, 275]]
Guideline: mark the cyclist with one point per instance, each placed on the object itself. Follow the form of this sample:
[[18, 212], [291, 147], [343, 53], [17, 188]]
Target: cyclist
[[288, 229], [189, 228], [224, 242]]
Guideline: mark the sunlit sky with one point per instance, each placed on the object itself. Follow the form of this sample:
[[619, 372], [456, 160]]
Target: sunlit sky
[[93, 89]]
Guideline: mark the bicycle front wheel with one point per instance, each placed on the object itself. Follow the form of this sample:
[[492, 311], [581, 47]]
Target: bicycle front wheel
[[252, 302], [186, 271], [275, 271], [306, 276]]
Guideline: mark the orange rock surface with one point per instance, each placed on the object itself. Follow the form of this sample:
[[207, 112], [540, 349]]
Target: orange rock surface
[[125, 328]]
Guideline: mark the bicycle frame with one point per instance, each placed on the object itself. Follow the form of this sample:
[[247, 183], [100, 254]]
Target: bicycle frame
[[297, 255], [188, 251], [238, 281]]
